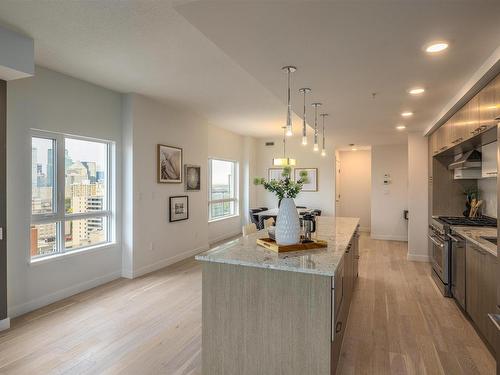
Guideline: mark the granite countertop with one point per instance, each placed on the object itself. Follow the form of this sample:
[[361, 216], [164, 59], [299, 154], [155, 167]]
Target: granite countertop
[[244, 251], [473, 234]]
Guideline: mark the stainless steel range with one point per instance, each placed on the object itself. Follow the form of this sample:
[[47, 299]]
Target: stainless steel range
[[441, 246]]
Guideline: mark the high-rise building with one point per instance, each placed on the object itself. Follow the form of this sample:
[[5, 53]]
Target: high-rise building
[[67, 160], [91, 170], [50, 166], [34, 160]]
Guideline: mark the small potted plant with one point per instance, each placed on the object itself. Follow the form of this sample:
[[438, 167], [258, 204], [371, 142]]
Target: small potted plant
[[287, 223]]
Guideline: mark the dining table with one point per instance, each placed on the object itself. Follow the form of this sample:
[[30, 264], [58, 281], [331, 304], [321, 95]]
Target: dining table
[[273, 212]]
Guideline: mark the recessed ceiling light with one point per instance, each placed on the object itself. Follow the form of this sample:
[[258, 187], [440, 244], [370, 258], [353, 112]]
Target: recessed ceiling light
[[416, 91], [400, 127], [407, 114], [436, 47], [354, 149]]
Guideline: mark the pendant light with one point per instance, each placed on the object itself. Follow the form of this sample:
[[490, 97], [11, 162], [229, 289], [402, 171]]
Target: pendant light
[[316, 105], [289, 132], [284, 161], [304, 91], [323, 150]]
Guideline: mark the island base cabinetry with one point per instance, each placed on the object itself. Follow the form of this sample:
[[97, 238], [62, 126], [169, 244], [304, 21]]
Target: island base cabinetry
[[259, 321]]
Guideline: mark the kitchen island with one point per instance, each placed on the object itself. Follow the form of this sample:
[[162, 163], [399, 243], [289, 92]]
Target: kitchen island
[[268, 313]]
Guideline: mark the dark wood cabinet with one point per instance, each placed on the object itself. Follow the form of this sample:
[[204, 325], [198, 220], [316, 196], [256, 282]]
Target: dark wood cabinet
[[489, 103], [475, 117], [344, 282], [481, 282]]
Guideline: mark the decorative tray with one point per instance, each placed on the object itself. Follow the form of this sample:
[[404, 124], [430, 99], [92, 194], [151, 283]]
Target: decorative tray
[[271, 244]]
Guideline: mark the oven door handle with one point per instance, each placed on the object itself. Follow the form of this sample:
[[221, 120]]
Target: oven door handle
[[432, 238], [453, 238]]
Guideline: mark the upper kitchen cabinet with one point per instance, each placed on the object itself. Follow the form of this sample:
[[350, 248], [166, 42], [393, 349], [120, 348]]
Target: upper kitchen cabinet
[[471, 117], [489, 104], [489, 160]]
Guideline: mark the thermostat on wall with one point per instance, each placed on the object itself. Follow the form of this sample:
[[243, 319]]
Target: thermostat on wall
[[387, 179]]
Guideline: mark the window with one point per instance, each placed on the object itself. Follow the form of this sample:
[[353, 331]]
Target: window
[[70, 194], [222, 189]]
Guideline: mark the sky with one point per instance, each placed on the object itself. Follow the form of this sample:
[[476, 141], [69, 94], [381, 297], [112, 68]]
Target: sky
[[220, 170], [78, 151]]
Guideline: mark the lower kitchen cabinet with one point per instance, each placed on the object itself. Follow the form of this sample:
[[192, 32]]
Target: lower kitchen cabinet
[[345, 280], [481, 283]]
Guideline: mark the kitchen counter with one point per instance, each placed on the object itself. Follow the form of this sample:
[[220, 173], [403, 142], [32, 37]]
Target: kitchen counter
[[269, 313], [473, 234], [337, 231]]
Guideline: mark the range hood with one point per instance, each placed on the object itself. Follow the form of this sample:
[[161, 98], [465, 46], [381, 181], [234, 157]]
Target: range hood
[[467, 160]]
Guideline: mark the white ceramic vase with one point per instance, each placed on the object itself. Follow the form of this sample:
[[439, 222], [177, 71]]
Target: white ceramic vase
[[287, 223]]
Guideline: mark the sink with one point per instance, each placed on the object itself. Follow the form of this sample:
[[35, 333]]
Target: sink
[[493, 240]]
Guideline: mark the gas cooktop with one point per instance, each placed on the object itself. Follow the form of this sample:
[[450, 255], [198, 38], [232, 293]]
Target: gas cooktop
[[483, 221]]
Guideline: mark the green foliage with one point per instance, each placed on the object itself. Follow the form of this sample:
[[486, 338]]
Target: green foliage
[[285, 187], [471, 193]]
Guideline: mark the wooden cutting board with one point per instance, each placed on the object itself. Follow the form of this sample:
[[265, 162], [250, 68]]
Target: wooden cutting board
[[271, 244]]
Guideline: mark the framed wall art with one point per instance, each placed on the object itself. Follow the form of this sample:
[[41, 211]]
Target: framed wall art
[[312, 176], [192, 177], [169, 164], [274, 174], [178, 208]]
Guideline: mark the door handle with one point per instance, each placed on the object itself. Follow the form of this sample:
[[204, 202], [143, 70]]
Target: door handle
[[338, 327], [495, 318], [435, 242]]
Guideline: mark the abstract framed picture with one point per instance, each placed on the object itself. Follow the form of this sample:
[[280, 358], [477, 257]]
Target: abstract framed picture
[[169, 164], [274, 174], [179, 208], [192, 177], [312, 176]]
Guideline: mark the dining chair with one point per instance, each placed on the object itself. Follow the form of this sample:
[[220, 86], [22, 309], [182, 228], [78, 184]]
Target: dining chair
[[249, 229], [268, 223], [316, 212], [255, 218]]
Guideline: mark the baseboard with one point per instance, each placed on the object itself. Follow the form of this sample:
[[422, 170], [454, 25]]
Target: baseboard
[[4, 324], [418, 258], [224, 237], [364, 229], [389, 237], [167, 261], [128, 274], [61, 294]]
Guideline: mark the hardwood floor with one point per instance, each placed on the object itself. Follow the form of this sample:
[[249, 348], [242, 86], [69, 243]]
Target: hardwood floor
[[398, 324]]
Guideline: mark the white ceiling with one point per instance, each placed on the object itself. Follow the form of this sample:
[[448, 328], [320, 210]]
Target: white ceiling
[[223, 59], [148, 48]]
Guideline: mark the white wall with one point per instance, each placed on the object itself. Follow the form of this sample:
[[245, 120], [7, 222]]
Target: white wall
[[355, 186], [226, 145], [55, 102], [488, 193], [324, 198], [155, 242], [389, 201], [17, 57], [150, 241], [418, 187]]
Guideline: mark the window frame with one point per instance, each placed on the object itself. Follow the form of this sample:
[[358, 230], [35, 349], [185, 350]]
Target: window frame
[[59, 216], [235, 199]]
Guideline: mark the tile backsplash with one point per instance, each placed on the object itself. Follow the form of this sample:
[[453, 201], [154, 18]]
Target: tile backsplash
[[488, 193]]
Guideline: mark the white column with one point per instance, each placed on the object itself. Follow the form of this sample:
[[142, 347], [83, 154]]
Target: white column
[[418, 197]]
